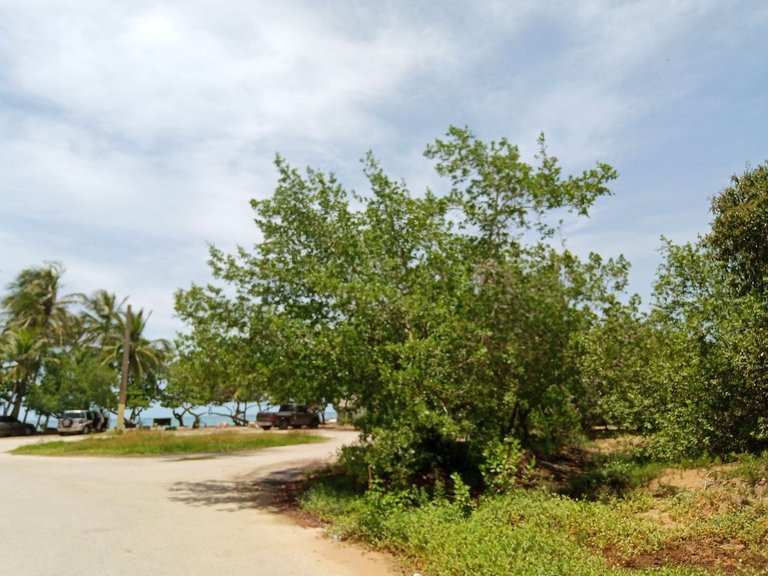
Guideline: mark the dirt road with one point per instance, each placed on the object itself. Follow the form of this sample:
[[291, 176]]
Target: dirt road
[[167, 515]]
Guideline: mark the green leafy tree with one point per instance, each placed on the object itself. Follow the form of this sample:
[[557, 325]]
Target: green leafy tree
[[616, 356], [184, 393], [216, 363], [21, 351], [739, 231], [714, 305], [73, 378], [428, 316], [710, 395]]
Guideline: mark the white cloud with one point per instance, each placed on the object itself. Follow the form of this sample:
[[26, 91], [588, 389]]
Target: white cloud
[[602, 68], [135, 132], [171, 70], [132, 132]]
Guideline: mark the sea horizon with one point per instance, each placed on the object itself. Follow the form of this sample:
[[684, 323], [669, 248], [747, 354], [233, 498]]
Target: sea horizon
[[214, 416]]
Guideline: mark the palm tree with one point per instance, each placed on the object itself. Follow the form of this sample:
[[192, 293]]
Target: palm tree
[[36, 321], [147, 359], [34, 302], [22, 352], [101, 317]]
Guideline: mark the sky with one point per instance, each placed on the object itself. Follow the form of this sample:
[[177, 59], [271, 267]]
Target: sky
[[134, 133]]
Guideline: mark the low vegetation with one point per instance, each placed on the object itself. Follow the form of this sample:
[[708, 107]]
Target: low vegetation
[[630, 518], [153, 443]]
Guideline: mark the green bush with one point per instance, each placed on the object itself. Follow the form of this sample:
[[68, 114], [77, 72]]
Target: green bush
[[505, 465]]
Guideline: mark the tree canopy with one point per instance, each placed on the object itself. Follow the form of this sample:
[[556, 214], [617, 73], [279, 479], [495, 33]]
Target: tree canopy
[[441, 323], [452, 326]]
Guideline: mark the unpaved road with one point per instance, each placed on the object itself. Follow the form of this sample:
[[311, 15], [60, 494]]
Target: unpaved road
[[164, 515]]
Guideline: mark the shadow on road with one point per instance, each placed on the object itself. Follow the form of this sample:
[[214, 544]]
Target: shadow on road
[[272, 492]]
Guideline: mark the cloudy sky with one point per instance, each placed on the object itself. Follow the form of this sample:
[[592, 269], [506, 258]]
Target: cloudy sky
[[132, 133]]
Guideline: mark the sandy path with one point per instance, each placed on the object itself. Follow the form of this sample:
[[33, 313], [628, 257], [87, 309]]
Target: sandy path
[[123, 517]]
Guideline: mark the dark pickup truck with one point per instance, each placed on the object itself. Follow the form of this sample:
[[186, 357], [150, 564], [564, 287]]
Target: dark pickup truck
[[289, 415]]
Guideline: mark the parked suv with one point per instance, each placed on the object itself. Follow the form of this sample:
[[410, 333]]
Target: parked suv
[[81, 422]]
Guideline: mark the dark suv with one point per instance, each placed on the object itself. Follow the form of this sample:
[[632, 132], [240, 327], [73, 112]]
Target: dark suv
[[10, 426]]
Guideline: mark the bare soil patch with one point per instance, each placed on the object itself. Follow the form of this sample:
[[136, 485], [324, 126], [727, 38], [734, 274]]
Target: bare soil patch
[[691, 479], [720, 494], [716, 555]]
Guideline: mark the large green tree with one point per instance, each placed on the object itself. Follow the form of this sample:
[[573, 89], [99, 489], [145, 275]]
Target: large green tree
[[444, 322], [710, 393], [691, 374], [740, 229], [218, 363]]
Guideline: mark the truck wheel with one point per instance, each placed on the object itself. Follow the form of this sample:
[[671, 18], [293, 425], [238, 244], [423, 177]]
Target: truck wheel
[[315, 423], [266, 427], [86, 429], [283, 424]]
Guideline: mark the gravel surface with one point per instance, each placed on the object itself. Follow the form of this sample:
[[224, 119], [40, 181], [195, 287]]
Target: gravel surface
[[67, 516]]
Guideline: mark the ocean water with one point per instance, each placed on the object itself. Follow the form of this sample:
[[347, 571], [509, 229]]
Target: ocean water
[[215, 417], [212, 416]]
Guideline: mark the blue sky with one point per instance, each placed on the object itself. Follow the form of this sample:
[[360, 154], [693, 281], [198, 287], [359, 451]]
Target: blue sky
[[133, 133]]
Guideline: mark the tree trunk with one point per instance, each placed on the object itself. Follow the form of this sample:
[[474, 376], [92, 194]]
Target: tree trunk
[[16, 410], [179, 416]]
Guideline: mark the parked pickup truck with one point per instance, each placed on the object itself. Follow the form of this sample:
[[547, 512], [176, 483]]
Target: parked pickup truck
[[289, 415]]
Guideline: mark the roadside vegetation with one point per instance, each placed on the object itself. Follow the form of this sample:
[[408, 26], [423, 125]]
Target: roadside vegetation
[[475, 352], [616, 515], [151, 443]]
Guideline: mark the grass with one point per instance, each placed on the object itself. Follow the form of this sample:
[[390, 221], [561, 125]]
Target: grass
[[153, 443]]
